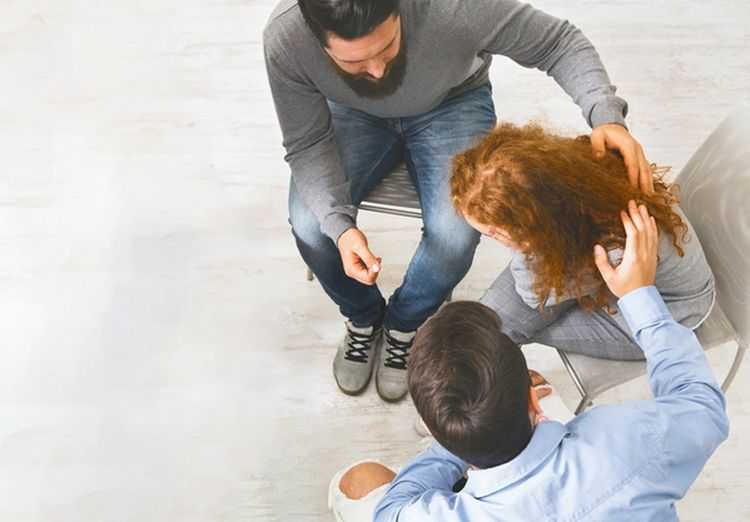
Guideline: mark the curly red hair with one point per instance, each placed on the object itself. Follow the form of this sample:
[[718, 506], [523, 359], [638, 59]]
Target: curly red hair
[[555, 201]]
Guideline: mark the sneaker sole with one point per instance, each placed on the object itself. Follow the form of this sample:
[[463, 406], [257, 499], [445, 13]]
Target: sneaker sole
[[389, 399], [355, 392]]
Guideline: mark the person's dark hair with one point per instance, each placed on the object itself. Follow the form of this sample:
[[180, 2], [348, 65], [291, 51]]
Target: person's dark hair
[[470, 384], [347, 19]]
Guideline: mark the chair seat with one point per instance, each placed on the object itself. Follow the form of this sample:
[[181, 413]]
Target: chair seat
[[598, 375], [394, 195], [716, 329]]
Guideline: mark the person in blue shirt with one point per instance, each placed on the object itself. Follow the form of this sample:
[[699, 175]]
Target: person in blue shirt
[[630, 461]]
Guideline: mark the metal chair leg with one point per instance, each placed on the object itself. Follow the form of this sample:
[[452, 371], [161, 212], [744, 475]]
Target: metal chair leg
[[572, 372], [735, 366], [309, 275], [585, 403], [585, 399]]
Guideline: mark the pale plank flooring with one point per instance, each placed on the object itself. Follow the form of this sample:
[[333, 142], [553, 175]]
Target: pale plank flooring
[[163, 357]]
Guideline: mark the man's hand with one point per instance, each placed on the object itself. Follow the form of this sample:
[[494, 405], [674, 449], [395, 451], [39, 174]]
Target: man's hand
[[614, 136], [359, 263], [638, 266]]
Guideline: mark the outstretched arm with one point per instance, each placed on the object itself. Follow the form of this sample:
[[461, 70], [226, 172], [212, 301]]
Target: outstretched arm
[[535, 39], [692, 420]]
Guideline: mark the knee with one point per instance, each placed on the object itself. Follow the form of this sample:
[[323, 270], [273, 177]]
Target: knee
[[498, 302], [452, 235], [487, 300], [363, 478], [305, 226]]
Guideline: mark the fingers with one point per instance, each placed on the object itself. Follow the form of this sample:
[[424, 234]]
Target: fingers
[[602, 263], [640, 173], [633, 165], [637, 241], [630, 229], [651, 231], [638, 265], [646, 175], [598, 144], [644, 224], [636, 217], [368, 266], [646, 219], [536, 378], [542, 391], [367, 257], [359, 262], [654, 233], [357, 267], [359, 271]]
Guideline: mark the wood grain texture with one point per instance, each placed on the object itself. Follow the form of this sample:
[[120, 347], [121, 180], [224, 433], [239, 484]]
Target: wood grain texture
[[163, 357]]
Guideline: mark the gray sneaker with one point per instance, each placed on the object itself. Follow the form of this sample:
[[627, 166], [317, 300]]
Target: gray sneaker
[[421, 428], [390, 378], [352, 366]]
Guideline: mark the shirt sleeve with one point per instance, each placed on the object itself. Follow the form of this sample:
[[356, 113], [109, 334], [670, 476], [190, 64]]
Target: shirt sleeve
[[691, 403], [307, 130], [422, 491], [535, 39]]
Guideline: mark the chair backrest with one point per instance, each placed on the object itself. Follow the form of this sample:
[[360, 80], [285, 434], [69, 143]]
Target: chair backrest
[[715, 196]]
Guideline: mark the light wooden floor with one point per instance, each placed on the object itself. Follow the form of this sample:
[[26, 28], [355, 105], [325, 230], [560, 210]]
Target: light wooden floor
[[163, 357]]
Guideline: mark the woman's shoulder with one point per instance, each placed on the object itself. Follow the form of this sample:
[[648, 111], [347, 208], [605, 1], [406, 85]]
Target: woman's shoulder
[[686, 239], [682, 270]]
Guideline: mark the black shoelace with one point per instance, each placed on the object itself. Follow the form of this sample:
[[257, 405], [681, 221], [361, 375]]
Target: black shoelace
[[398, 351], [358, 346]]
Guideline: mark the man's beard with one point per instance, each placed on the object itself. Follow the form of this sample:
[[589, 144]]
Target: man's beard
[[364, 84]]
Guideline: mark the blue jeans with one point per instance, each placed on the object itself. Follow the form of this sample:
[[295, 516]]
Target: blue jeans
[[370, 148]]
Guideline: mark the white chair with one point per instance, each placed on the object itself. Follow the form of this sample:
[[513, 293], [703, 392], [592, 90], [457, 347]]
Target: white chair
[[715, 196]]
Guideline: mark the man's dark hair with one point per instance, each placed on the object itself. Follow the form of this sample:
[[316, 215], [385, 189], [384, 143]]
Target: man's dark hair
[[347, 19], [470, 384]]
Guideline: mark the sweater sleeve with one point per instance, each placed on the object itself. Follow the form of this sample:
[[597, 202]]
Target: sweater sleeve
[[307, 130], [535, 39]]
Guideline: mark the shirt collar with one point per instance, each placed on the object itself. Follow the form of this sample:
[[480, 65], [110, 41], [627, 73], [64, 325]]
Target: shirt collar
[[544, 441]]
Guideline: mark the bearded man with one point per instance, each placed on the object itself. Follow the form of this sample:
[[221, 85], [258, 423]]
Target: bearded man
[[363, 85]]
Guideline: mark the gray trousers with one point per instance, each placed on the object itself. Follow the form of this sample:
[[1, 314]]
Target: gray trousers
[[564, 326]]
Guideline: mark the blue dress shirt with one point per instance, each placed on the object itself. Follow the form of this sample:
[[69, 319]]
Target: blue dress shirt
[[627, 462]]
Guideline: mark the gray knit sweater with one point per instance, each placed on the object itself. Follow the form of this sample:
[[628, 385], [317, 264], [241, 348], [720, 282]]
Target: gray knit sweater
[[685, 283], [449, 46]]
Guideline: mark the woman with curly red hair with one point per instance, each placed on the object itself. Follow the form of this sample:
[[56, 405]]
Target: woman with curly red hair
[[547, 198]]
